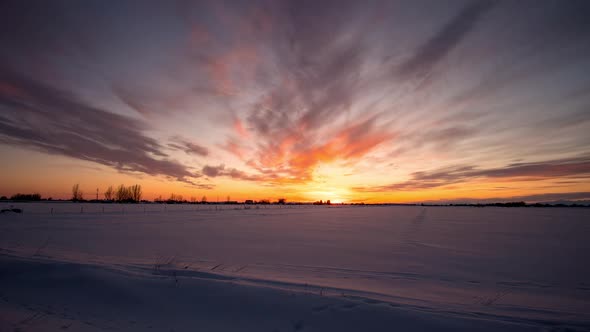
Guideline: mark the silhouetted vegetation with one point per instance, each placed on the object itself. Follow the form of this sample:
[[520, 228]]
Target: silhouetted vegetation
[[134, 194], [77, 194], [24, 197], [174, 199], [508, 204], [131, 194], [109, 194]]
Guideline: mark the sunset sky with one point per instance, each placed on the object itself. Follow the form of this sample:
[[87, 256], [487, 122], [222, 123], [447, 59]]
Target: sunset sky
[[352, 101]]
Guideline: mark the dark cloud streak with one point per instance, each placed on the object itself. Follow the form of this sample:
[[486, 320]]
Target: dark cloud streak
[[437, 47], [570, 197], [221, 170], [188, 147], [552, 169], [56, 122]]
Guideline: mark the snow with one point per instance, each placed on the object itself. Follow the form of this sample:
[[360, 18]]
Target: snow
[[291, 268]]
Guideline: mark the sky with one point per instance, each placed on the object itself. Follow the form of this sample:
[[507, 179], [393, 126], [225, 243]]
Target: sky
[[352, 101]]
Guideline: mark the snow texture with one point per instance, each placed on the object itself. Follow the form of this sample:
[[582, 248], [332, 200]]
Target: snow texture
[[293, 268]]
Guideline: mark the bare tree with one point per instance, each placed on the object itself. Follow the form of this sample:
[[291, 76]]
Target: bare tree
[[122, 194], [204, 199], [77, 194], [109, 194], [135, 192]]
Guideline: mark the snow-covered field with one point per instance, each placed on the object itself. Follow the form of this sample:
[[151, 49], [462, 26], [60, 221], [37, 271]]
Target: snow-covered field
[[293, 268]]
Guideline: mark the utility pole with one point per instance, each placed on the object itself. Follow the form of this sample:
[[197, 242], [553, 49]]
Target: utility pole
[[97, 194]]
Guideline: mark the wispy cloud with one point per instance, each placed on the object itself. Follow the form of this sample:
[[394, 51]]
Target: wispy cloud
[[278, 89], [53, 121], [551, 169], [221, 170], [546, 197], [299, 119], [188, 147], [438, 46], [293, 158]]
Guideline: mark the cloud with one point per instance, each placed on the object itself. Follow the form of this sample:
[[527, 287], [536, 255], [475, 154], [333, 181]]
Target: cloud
[[552, 169], [293, 158], [304, 69], [286, 86], [38, 116], [570, 197], [221, 170], [316, 109], [442, 137], [213, 171], [179, 143], [303, 115], [439, 45]]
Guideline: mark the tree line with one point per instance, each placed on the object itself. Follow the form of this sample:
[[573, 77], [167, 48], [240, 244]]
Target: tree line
[[123, 194], [23, 197]]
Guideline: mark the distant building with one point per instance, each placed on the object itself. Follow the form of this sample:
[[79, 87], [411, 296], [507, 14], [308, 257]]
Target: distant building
[[249, 201]]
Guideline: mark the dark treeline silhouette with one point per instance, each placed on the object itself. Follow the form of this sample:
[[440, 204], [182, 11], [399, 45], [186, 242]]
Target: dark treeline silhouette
[[123, 194], [134, 193], [25, 197], [179, 199], [507, 204]]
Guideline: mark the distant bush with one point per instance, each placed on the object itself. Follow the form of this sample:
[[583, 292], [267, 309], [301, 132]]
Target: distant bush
[[77, 194], [175, 199], [511, 204], [26, 197], [109, 193]]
